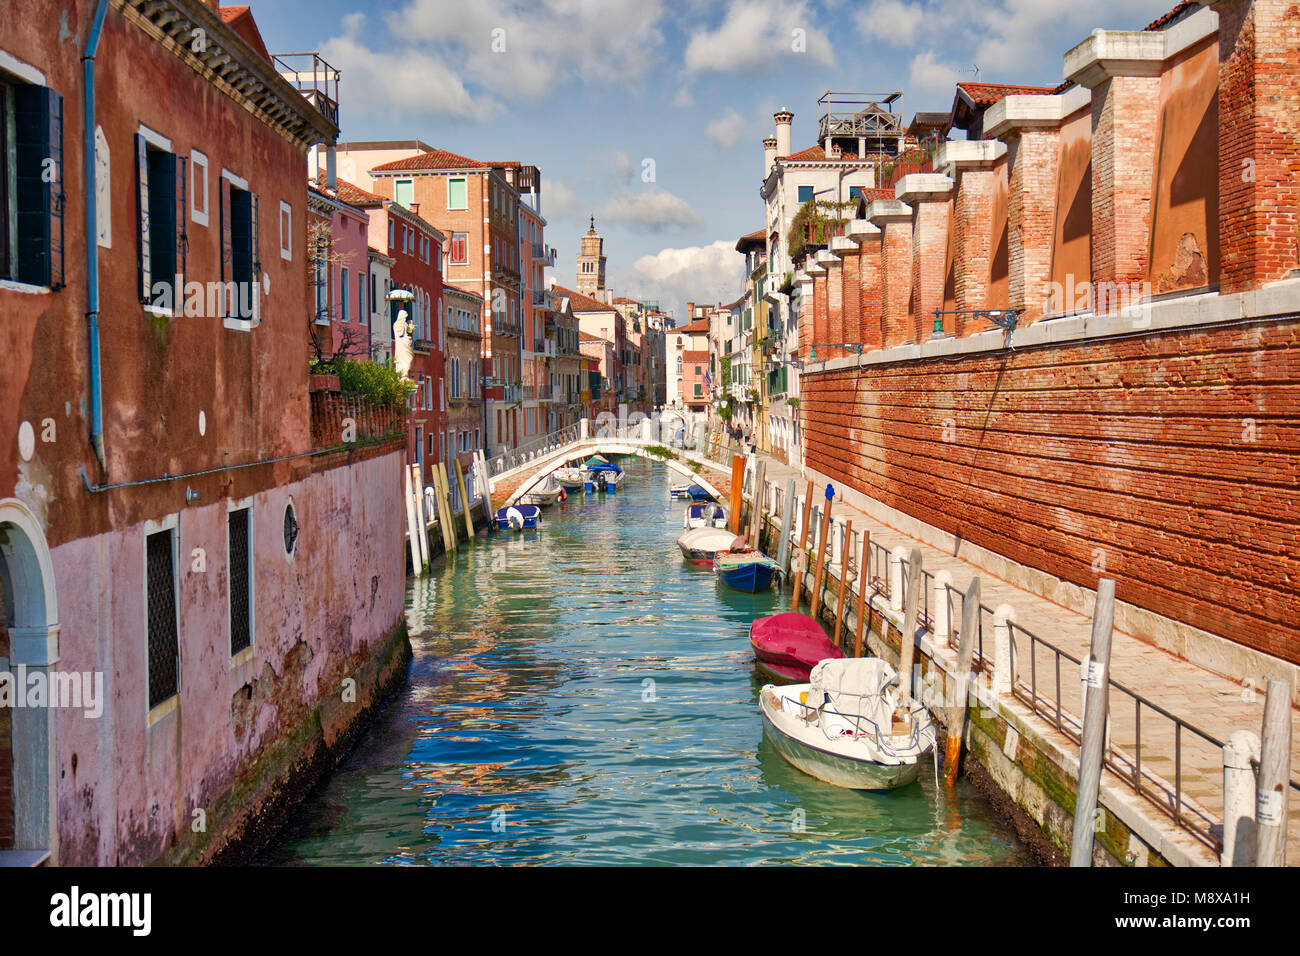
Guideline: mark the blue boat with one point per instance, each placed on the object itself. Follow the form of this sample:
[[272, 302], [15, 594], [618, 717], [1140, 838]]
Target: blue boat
[[601, 475], [693, 492], [518, 517], [746, 570]]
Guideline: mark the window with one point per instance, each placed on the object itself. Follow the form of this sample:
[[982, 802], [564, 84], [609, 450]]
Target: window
[[240, 260], [199, 191], [239, 551], [457, 194], [373, 304], [391, 235], [160, 205], [286, 230], [459, 248], [404, 192], [322, 281], [855, 192], [362, 318], [160, 593], [31, 184], [805, 193]]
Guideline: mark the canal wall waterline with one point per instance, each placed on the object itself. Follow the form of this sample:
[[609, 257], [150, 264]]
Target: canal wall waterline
[[1015, 757]]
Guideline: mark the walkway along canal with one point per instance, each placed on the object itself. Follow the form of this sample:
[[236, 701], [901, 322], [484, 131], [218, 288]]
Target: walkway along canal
[[579, 695]]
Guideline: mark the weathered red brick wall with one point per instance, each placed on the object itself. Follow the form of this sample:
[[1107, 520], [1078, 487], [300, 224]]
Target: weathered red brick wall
[[852, 276], [1259, 126], [895, 280], [1072, 255], [870, 330], [1125, 123], [1031, 217], [834, 330], [929, 261], [1126, 457]]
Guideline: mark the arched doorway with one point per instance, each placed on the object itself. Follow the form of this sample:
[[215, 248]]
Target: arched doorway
[[29, 633]]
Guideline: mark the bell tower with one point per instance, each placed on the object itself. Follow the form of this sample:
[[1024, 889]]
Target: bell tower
[[591, 263]]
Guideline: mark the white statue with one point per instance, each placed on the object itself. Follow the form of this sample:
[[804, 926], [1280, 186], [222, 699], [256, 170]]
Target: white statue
[[402, 350]]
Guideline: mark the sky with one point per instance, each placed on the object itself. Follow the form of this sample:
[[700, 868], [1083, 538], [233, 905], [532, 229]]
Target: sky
[[650, 114]]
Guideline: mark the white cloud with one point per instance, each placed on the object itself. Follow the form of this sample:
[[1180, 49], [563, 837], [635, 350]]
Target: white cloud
[[655, 210], [407, 84], [727, 129], [525, 48], [890, 21], [559, 199], [930, 81], [712, 273], [753, 32]]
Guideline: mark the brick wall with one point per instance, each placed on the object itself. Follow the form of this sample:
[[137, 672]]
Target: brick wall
[[1031, 217], [870, 330], [1259, 126], [1128, 452], [929, 261], [895, 280], [834, 302], [1125, 110]]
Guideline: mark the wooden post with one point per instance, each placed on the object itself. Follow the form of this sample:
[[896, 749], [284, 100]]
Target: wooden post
[[737, 483], [412, 526], [799, 560], [911, 612], [970, 616], [819, 575], [863, 602], [488, 512], [756, 509], [465, 502], [787, 516], [422, 518], [1240, 758], [844, 579], [1274, 775], [441, 495], [1094, 724]]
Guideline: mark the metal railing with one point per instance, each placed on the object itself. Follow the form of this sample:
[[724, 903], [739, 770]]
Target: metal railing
[[1141, 735]]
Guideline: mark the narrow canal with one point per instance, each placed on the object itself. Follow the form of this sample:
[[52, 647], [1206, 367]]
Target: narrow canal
[[580, 695]]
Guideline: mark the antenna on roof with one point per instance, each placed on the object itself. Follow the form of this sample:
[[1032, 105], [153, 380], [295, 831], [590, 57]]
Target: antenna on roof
[[976, 71]]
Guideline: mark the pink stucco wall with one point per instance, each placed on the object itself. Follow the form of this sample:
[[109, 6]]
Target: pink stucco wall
[[126, 789]]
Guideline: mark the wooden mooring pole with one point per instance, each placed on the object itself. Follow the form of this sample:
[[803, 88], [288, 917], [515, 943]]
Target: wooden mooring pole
[[844, 580], [1095, 709], [464, 501], [970, 618], [756, 508], [911, 613], [787, 517], [863, 601], [737, 486], [1274, 776], [819, 575], [800, 557]]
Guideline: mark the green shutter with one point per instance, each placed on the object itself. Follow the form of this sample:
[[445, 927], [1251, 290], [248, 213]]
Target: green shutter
[[182, 233], [161, 170], [38, 200]]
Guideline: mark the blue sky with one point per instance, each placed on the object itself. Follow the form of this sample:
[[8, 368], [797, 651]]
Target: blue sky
[[649, 114]]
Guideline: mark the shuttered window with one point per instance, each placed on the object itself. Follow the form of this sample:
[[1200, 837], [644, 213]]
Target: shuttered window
[[240, 259], [457, 194], [161, 225], [31, 194]]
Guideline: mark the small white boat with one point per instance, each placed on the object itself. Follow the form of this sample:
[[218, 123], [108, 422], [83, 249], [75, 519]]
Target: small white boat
[[845, 726], [570, 479], [701, 545], [704, 515], [546, 494]]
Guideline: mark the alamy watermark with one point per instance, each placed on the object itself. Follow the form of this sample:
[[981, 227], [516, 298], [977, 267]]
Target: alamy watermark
[[67, 690]]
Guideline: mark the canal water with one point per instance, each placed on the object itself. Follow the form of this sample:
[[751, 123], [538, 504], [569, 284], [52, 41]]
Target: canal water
[[580, 695]]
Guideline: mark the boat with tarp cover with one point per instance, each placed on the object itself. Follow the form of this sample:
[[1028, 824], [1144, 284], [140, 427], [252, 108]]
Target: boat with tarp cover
[[847, 727]]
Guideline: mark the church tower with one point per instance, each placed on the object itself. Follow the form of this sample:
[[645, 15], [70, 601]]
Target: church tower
[[591, 264]]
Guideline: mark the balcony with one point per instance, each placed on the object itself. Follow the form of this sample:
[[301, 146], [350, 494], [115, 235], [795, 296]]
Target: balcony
[[315, 79]]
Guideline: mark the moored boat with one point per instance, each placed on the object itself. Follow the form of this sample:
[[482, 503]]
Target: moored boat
[[694, 492], [704, 515], [699, 545], [746, 570], [545, 494], [600, 474], [789, 645], [570, 479], [845, 726], [518, 517]]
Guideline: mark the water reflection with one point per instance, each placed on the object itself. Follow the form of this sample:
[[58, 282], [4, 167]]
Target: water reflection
[[581, 695]]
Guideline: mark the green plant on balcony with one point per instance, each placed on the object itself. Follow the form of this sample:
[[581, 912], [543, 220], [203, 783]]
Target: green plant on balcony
[[813, 224], [379, 383]]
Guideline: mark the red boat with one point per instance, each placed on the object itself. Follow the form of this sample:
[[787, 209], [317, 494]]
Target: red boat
[[789, 645]]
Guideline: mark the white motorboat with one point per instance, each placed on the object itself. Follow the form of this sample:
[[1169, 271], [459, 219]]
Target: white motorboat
[[700, 545], [846, 726], [570, 479], [704, 515], [545, 494]]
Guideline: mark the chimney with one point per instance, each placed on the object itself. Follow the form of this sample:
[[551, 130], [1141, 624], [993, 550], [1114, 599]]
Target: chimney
[[769, 155], [690, 311], [331, 172], [783, 120]]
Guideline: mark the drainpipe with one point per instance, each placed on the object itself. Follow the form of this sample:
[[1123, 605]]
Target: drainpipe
[[92, 235]]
